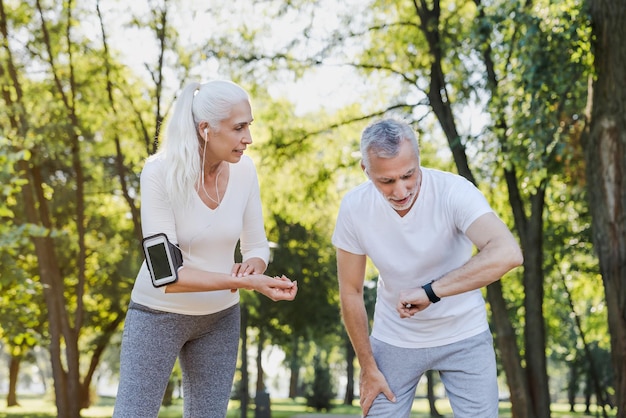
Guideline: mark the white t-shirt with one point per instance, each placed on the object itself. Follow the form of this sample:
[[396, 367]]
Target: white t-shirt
[[410, 251], [207, 237]]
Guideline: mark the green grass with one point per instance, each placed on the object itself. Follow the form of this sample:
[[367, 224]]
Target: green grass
[[43, 407]]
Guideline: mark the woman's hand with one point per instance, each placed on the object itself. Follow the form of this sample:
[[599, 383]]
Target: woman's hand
[[275, 288], [254, 265]]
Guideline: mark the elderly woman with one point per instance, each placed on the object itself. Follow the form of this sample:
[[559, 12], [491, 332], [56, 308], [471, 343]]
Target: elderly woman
[[202, 192]]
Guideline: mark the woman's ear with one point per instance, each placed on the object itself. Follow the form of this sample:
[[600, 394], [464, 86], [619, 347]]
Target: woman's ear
[[203, 130]]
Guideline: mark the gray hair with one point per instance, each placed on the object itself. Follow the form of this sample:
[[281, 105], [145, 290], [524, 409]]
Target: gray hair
[[210, 102], [383, 138], [214, 100]]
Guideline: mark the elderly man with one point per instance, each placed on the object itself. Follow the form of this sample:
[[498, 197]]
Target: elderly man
[[419, 227]]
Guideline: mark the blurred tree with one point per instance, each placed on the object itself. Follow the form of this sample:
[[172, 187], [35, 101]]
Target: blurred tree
[[70, 214], [23, 320], [303, 255], [521, 64], [320, 391], [431, 50], [20, 296], [535, 104], [71, 105], [605, 156], [573, 284], [300, 200]]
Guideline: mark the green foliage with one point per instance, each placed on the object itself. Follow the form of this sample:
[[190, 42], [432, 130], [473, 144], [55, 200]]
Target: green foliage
[[21, 295], [320, 392], [542, 62], [306, 162], [576, 318], [306, 256], [61, 141]]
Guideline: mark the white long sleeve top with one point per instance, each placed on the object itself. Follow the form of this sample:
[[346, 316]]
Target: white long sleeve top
[[207, 237]]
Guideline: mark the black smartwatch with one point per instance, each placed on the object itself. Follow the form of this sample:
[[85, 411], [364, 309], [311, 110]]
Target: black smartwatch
[[428, 288]]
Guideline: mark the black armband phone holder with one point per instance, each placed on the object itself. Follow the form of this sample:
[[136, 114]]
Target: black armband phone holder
[[163, 259]]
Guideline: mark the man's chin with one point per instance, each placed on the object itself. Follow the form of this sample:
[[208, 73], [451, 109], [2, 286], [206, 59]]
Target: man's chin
[[405, 206]]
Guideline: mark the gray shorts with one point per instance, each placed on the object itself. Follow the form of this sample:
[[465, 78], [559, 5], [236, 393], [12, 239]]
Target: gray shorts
[[467, 369]]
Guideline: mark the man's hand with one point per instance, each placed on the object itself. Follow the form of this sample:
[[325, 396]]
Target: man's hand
[[371, 384], [412, 301]]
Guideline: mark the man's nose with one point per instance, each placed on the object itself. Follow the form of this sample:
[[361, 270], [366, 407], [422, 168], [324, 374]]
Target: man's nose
[[399, 190]]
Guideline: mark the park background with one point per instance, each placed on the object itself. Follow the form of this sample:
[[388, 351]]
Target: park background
[[524, 98]]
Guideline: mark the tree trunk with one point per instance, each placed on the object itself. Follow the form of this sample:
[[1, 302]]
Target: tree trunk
[[534, 326], [430, 388], [53, 285], [260, 373], [506, 343], [437, 90], [294, 366], [14, 371], [604, 145], [572, 385], [350, 357], [593, 370], [68, 387], [100, 344], [442, 107], [521, 399], [36, 213], [529, 390], [245, 396]]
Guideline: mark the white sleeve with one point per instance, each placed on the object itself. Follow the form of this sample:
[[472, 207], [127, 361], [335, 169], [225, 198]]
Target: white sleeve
[[157, 215], [253, 238], [345, 236], [468, 203]]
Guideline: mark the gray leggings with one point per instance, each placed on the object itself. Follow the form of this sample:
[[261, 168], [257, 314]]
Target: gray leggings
[[152, 340], [467, 369]]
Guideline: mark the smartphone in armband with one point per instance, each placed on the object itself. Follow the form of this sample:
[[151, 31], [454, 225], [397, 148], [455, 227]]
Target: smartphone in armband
[[163, 259]]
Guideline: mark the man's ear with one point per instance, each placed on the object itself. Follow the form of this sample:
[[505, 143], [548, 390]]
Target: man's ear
[[364, 169]]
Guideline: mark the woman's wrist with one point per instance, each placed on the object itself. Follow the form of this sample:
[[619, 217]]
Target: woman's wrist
[[246, 282]]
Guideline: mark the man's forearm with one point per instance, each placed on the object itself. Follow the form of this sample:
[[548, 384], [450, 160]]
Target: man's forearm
[[356, 323], [498, 253], [481, 270]]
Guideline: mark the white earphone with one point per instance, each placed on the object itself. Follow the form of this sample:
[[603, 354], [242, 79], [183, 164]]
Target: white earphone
[[206, 133]]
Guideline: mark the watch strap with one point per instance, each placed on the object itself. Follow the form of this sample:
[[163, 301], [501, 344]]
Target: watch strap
[[428, 288]]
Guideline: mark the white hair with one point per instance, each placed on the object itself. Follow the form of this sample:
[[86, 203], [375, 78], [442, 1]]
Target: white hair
[[210, 102]]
